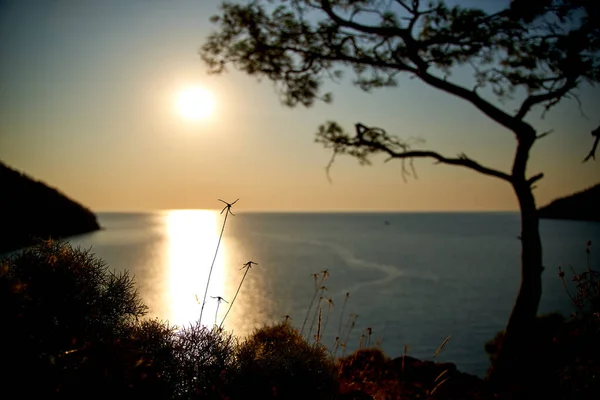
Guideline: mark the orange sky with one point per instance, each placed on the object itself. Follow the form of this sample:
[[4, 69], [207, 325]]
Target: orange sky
[[88, 106]]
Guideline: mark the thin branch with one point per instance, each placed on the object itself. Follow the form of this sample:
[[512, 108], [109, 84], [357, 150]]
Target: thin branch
[[382, 31], [535, 178], [552, 96], [544, 134], [483, 105], [461, 160], [579, 105], [406, 7], [329, 165], [592, 153]]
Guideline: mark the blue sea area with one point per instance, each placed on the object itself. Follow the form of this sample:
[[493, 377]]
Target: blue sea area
[[413, 278]]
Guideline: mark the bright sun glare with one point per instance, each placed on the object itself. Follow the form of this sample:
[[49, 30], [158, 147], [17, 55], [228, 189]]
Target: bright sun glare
[[192, 240], [195, 103]]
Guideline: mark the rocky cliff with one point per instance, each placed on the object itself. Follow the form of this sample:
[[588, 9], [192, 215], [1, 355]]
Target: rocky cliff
[[584, 205], [30, 209]]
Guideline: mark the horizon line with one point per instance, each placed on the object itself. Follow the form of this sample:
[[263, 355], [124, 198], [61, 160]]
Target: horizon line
[[322, 211]]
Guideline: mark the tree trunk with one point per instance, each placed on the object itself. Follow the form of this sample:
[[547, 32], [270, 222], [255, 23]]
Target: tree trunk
[[512, 367]]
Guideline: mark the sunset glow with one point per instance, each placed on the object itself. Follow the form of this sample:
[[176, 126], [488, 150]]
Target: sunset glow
[[132, 120]]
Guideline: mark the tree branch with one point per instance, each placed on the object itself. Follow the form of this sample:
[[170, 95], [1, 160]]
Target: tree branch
[[535, 178], [544, 134], [484, 106], [592, 153], [377, 30], [461, 160], [532, 100], [373, 140]]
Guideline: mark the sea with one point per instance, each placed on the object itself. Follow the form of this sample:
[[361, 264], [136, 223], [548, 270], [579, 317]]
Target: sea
[[401, 281]]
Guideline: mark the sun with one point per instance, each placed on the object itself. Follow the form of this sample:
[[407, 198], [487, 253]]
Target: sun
[[195, 103]]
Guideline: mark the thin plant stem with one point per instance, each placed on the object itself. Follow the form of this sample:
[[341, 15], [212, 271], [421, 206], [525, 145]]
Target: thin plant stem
[[219, 300], [441, 346], [329, 305], [342, 314], [234, 297], [212, 266], [318, 337], [312, 324], [247, 266], [311, 303], [588, 246], [227, 208], [308, 311], [340, 339], [352, 322], [336, 345], [561, 275]]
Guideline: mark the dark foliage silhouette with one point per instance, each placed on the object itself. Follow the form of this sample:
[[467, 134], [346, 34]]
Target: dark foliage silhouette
[[74, 327], [205, 358], [277, 362]]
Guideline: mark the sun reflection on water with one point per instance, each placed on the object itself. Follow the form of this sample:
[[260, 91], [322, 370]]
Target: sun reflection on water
[[193, 237]]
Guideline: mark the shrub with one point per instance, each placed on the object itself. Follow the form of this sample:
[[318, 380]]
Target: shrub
[[67, 323], [366, 365], [204, 359], [277, 362], [566, 351], [579, 377], [368, 372]]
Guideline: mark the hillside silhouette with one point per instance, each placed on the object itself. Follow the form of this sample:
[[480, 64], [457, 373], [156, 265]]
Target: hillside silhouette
[[584, 205], [30, 209]]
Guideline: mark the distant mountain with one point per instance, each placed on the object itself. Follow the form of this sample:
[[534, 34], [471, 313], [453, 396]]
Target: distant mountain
[[584, 205], [29, 210]]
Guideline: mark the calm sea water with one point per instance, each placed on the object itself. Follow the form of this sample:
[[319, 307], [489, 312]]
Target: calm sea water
[[413, 280]]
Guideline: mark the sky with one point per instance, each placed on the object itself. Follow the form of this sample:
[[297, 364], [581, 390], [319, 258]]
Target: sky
[[87, 105]]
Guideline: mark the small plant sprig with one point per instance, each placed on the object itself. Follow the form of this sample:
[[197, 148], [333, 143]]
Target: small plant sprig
[[587, 298], [227, 210], [342, 314], [324, 275], [246, 266], [329, 307], [337, 342], [443, 376], [317, 310], [441, 346], [351, 323], [219, 300], [318, 335]]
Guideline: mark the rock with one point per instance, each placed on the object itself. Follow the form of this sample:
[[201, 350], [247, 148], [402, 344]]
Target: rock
[[369, 372], [30, 210], [443, 379]]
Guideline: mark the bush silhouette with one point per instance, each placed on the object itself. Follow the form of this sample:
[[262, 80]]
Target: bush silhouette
[[566, 350], [71, 327], [204, 358], [277, 362]]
